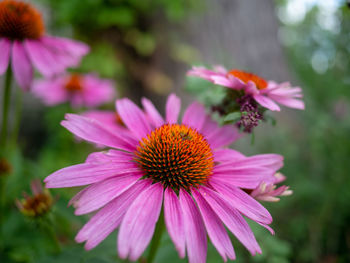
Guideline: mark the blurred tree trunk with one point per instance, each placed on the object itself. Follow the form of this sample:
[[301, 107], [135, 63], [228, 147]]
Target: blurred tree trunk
[[240, 33]]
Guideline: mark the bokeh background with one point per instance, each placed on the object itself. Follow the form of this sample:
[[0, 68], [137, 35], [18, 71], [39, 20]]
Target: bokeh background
[[147, 47]]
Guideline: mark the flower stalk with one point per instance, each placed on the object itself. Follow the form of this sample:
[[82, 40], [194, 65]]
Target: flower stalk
[[156, 238], [6, 106]]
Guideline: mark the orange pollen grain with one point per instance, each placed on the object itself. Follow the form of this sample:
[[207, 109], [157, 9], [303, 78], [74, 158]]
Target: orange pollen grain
[[19, 21], [246, 76], [74, 83], [175, 155]]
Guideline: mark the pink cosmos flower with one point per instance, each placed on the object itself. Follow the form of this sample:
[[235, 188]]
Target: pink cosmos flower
[[182, 166], [266, 93], [24, 44], [80, 90]]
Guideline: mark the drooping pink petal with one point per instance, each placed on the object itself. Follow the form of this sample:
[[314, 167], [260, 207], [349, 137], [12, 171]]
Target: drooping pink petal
[[87, 173], [155, 118], [91, 130], [67, 53], [50, 91], [139, 222], [174, 220], [232, 219], [22, 69], [41, 58], [99, 194], [243, 202], [96, 91], [172, 109], [133, 118], [291, 103], [266, 102], [215, 228], [5, 47], [97, 229], [195, 235], [194, 116]]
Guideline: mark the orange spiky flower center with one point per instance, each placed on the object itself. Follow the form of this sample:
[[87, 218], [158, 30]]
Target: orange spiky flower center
[[175, 155], [19, 21], [246, 76], [74, 83]]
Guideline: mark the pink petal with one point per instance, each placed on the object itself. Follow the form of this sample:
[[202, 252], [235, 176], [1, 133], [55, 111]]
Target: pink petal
[[97, 229], [271, 161], [232, 219], [215, 228], [139, 222], [266, 102], [87, 173], [224, 136], [291, 103], [110, 156], [91, 130], [196, 240], [223, 81], [21, 66], [209, 127], [41, 58], [155, 118], [5, 47], [99, 194], [249, 177], [174, 220], [68, 52], [243, 202], [194, 116], [133, 118], [227, 155], [172, 109]]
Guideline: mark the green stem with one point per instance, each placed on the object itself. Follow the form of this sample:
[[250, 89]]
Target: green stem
[[46, 225], [156, 238], [6, 106], [3, 178], [18, 114]]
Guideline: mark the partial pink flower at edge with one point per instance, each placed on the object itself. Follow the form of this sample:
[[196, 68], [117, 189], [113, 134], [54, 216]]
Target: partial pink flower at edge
[[25, 46], [200, 181], [266, 93]]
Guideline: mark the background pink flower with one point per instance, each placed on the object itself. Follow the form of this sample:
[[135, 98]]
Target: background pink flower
[[24, 44], [80, 90], [266, 93], [183, 165]]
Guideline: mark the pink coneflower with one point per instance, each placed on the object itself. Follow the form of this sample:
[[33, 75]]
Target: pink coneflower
[[181, 166], [80, 90], [24, 44], [266, 93]]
